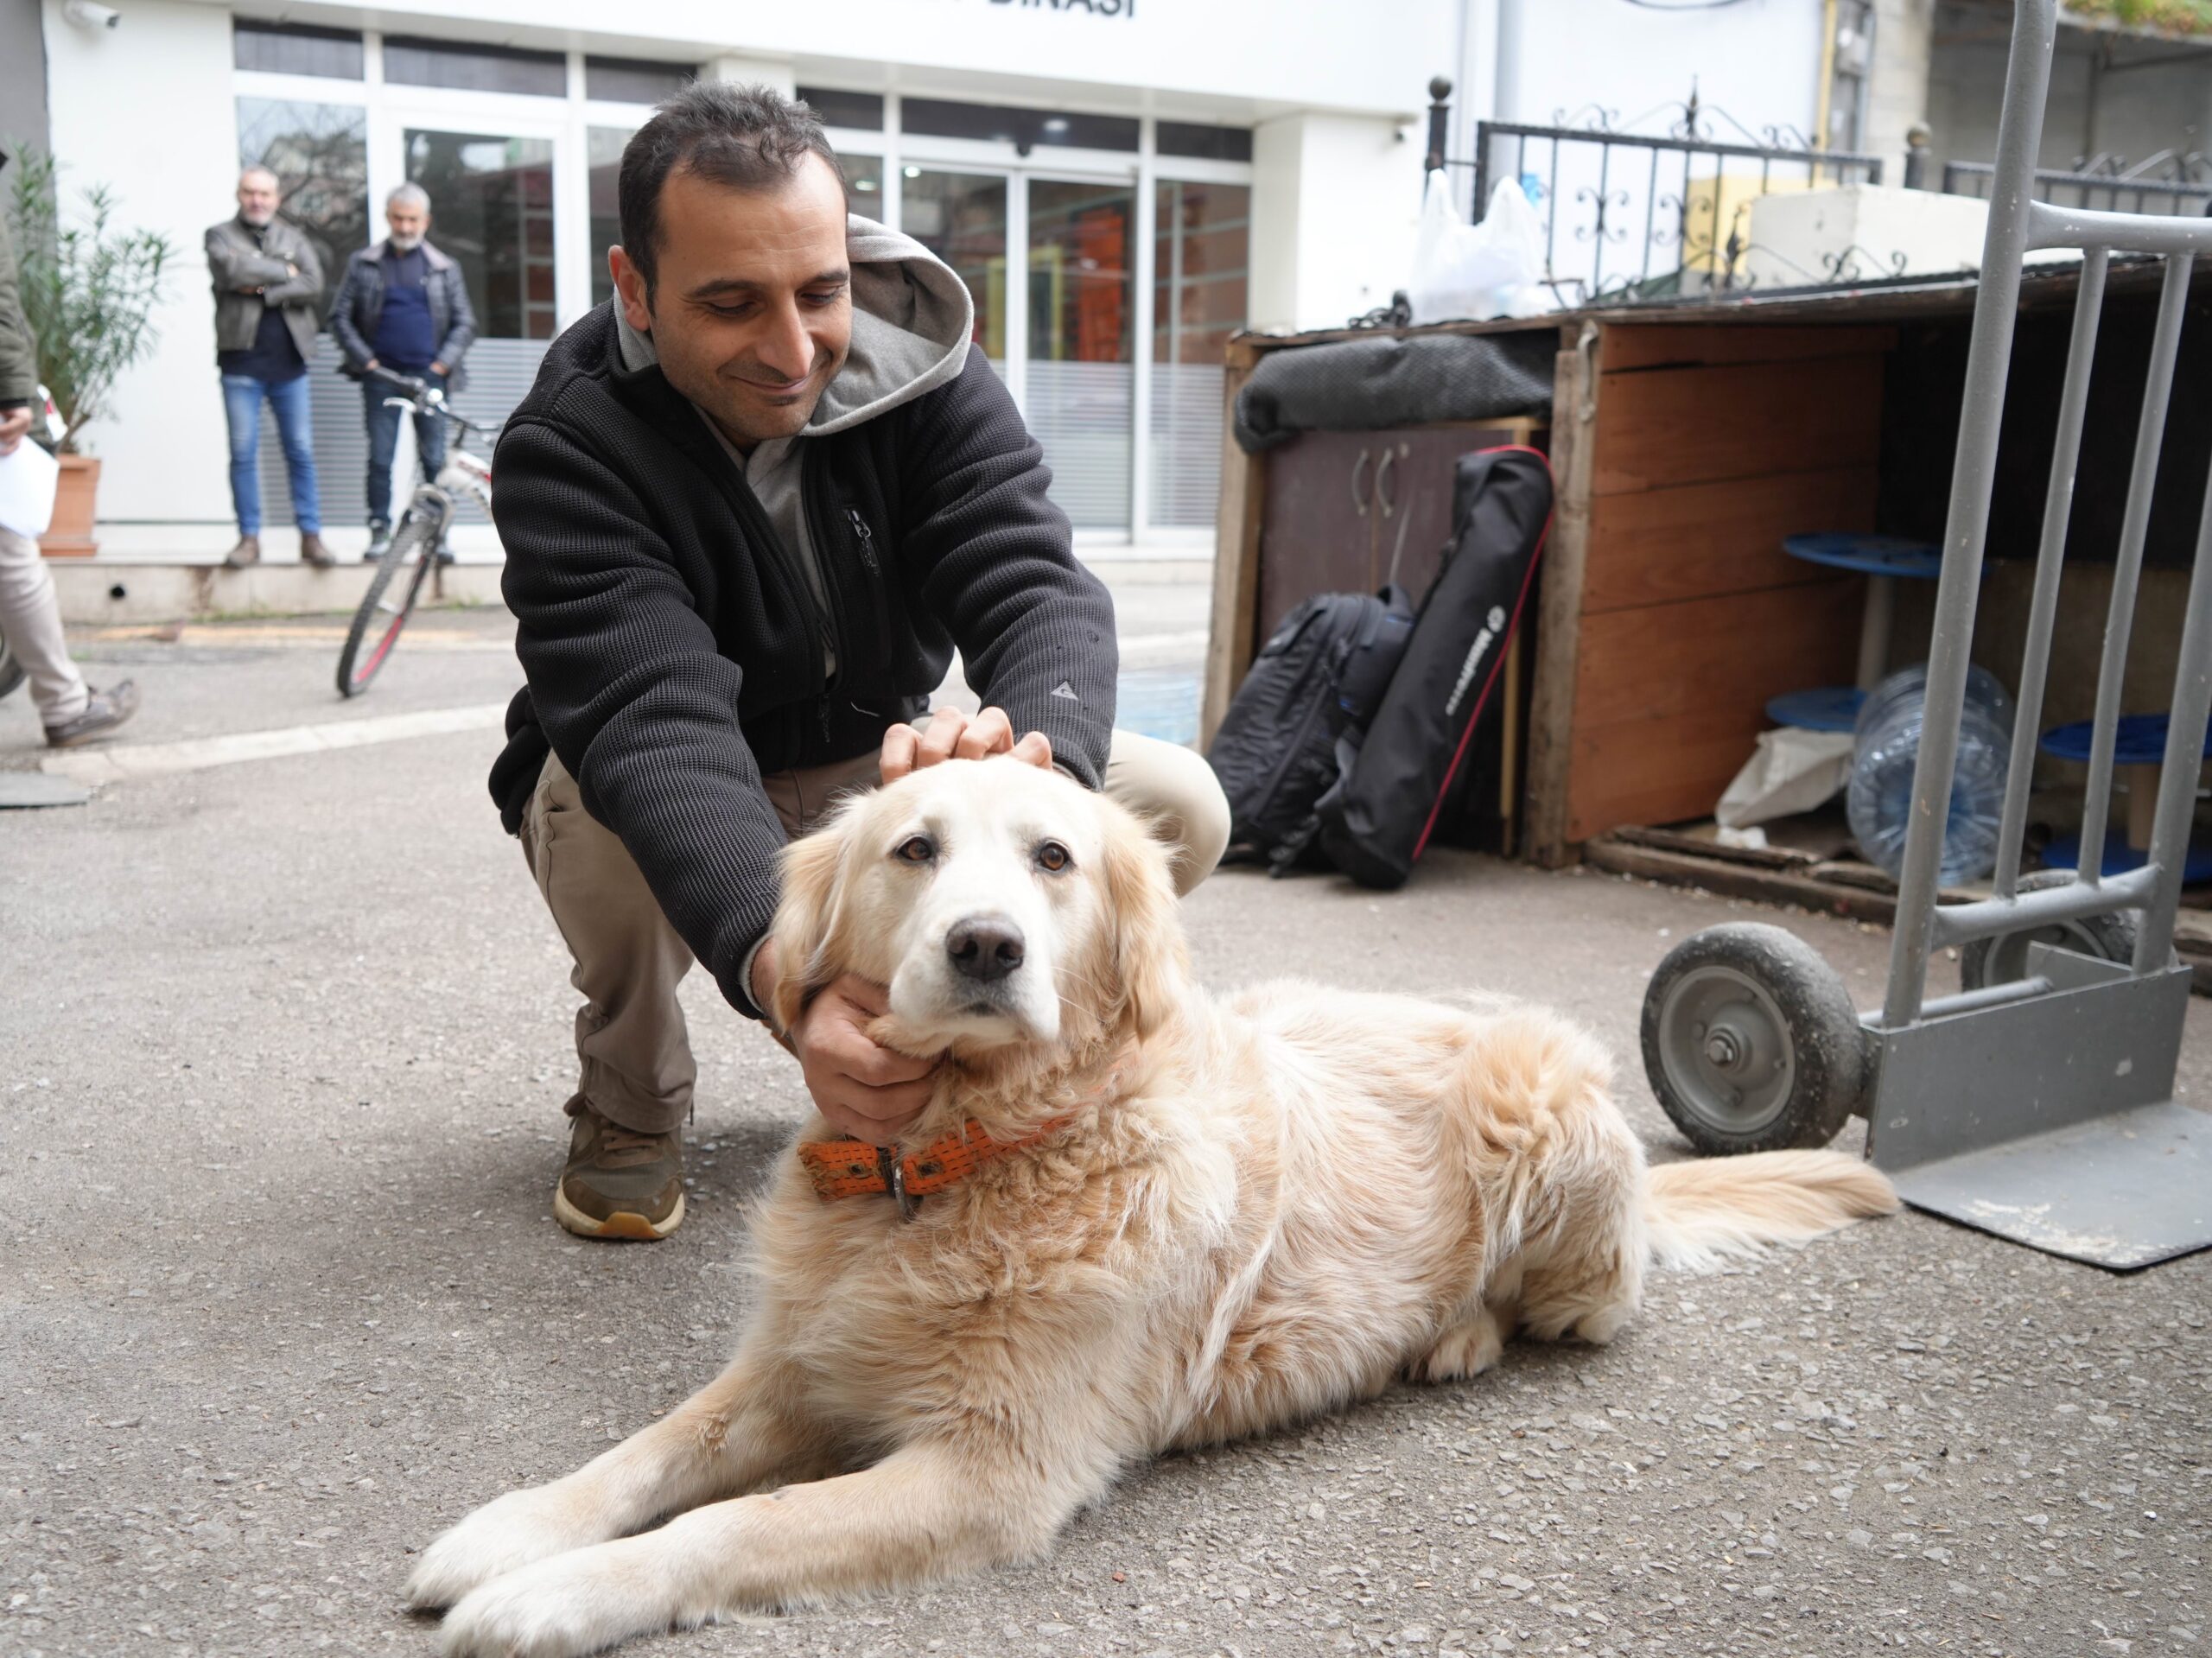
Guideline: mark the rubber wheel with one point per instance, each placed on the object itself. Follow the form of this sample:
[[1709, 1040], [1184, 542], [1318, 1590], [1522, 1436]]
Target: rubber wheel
[[378, 622], [11, 671], [2004, 959], [1751, 1041]]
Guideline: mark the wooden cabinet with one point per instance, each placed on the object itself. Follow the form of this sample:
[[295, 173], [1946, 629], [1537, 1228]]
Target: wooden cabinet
[[1347, 511]]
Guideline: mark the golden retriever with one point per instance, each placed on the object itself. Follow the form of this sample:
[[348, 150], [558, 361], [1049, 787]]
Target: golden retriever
[[1188, 1220]]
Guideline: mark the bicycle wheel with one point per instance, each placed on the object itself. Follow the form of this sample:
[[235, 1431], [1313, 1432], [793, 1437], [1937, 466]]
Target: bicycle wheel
[[377, 623]]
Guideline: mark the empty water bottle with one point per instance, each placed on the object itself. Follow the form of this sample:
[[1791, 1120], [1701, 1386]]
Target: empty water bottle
[[1886, 746]]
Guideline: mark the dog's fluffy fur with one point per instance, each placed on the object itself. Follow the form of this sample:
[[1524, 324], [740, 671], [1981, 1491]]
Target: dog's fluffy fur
[[1284, 1200]]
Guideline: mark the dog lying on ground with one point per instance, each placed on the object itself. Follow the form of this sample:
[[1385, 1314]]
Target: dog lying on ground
[[1132, 1219]]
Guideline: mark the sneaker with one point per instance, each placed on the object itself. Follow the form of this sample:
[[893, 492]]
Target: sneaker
[[312, 551], [619, 1184], [379, 544], [248, 552], [104, 712]]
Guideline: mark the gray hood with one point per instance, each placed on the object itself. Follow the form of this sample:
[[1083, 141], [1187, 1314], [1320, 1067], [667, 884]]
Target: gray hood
[[911, 321]]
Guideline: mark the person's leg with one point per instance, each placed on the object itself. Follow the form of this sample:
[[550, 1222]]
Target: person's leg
[[242, 409], [30, 618], [624, 1174], [637, 1068], [292, 401], [1173, 788], [383, 425]]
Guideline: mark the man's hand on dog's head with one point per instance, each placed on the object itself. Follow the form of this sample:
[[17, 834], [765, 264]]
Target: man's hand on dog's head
[[952, 735], [861, 1088]]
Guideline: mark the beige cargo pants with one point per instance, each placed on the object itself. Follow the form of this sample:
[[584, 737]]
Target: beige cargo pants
[[635, 1052]]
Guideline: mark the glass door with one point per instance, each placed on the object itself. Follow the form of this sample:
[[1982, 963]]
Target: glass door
[[1080, 379], [492, 207], [964, 218]]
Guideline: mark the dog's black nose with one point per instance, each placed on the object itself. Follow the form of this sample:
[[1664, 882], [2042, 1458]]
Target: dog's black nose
[[987, 948]]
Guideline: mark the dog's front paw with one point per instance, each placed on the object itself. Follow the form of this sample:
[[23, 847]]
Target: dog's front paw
[[500, 1537], [561, 1608]]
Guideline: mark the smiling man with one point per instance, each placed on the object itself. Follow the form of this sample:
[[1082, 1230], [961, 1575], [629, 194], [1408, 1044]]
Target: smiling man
[[751, 508]]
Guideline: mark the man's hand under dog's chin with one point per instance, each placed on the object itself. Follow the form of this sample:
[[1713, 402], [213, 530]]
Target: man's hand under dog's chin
[[953, 735], [861, 1087]]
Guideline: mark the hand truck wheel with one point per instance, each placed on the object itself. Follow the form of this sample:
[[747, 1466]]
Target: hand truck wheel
[[1751, 1041]]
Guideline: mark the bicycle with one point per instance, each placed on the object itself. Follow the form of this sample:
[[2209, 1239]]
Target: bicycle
[[419, 534]]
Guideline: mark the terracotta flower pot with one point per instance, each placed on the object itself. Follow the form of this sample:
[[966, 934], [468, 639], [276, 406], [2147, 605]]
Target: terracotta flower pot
[[70, 535]]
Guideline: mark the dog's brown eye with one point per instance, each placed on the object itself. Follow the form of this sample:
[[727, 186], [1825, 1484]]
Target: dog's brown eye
[[917, 849], [1052, 857]]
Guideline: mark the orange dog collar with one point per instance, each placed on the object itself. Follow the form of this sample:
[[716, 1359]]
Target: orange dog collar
[[853, 1168]]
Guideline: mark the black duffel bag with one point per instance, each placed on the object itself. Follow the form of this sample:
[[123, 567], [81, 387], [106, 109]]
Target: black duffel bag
[[1392, 781], [1321, 676]]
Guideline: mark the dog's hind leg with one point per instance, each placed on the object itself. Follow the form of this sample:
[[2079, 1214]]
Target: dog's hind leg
[[931, 1509], [731, 1436]]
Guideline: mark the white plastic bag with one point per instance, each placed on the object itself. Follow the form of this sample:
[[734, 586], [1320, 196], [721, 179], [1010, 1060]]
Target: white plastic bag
[[1477, 272], [1791, 771]]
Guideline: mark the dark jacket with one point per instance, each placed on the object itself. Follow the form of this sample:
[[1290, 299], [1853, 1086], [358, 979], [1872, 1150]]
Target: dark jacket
[[18, 350], [674, 649], [234, 261], [359, 303]]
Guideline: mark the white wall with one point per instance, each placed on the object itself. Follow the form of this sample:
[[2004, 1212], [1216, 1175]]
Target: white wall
[[1759, 60], [1347, 54], [1334, 202], [145, 109]]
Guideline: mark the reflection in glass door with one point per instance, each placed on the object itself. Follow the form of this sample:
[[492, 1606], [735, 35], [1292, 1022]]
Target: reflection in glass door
[[491, 208], [1081, 378], [962, 217]]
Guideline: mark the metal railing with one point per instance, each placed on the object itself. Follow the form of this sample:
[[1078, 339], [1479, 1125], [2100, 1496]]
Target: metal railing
[[2115, 191], [1631, 215]]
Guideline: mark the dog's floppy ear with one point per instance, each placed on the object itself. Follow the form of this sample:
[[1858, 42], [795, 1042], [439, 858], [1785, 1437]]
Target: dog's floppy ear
[[1149, 967], [806, 920]]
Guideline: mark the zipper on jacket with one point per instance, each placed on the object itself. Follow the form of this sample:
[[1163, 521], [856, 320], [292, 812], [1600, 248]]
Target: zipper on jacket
[[833, 632], [868, 540]]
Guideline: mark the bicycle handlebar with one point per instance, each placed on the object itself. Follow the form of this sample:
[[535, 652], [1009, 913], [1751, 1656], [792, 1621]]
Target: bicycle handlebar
[[424, 399]]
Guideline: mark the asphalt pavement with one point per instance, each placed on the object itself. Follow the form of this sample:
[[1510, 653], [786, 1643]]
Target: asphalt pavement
[[287, 1040]]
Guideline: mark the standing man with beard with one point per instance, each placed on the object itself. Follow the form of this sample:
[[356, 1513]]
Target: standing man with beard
[[267, 281], [751, 508], [403, 309]]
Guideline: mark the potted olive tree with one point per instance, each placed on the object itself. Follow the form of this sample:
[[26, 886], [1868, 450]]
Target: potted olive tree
[[88, 292]]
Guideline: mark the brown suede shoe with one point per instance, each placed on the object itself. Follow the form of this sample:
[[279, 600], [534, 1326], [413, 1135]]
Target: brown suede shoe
[[104, 712], [248, 552], [619, 1183], [312, 551]]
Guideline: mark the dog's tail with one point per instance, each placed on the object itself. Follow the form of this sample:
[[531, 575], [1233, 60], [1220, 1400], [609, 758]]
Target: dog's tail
[[1697, 1213]]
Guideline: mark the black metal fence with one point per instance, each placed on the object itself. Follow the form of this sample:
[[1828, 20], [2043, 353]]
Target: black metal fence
[[1630, 215], [2117, 191]]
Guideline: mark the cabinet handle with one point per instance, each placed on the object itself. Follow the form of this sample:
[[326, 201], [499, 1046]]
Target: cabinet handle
[[1358, 491], [1381, 478]]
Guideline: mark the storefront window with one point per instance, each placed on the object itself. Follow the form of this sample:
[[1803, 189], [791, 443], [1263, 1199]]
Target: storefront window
[[961, 217], [626, 80], [474, 68], [320, 154], [296, 49], [1081, 399], [493, 200], [1200, 252]]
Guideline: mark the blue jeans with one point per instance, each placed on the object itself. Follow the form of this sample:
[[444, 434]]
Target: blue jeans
[[242, 395], [384, 441]]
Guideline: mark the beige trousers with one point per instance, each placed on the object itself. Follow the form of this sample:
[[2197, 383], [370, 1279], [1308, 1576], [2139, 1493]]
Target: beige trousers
[[634, 1050]]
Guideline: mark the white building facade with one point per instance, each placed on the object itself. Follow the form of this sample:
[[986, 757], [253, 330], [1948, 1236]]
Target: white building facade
[[1123, 183]]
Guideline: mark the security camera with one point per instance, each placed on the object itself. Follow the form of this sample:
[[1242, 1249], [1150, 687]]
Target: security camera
[[90, 14]]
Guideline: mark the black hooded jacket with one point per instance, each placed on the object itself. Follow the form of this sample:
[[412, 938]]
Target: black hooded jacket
[[674, 649]]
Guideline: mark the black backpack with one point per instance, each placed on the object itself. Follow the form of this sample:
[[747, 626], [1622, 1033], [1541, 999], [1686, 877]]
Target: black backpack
[[1322, 676], [1394, 778]]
